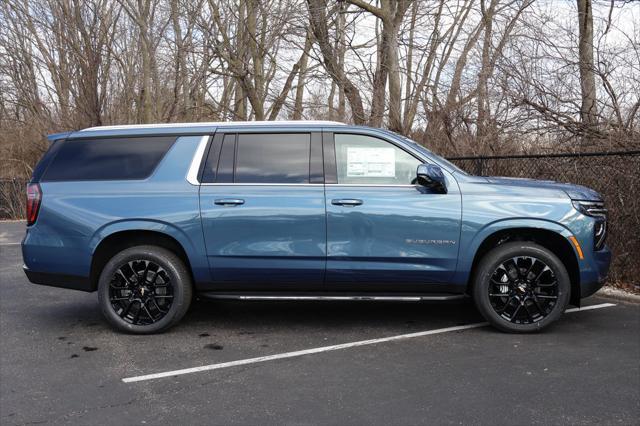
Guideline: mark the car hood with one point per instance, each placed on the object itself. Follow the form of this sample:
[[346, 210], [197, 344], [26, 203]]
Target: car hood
[[575, 192]]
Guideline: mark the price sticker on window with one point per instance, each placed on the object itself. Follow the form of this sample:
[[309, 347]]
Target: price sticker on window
[[371, 162]]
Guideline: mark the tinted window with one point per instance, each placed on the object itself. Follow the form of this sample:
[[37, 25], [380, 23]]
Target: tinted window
[[225, 165], [273, 158], [367, 160], [38, 171], [210, 166], [107, 159]]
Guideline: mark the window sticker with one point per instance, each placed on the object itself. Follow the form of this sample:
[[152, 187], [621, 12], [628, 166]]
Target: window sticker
[[371, 162]]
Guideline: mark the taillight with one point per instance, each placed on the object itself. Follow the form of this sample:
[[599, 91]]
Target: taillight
[[34, 198]]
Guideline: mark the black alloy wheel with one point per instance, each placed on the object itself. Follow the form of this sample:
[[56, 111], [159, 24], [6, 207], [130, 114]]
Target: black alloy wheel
[[144, 289], [521, 287], [141, 292], [523, 290]]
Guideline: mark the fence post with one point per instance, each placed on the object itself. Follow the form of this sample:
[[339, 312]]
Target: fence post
[[480, 166]]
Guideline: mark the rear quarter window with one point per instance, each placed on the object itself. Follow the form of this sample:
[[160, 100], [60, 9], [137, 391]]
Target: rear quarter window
[[107, 159]]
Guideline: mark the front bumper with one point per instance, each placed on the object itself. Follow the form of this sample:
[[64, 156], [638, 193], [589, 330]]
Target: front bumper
[[593, 278]]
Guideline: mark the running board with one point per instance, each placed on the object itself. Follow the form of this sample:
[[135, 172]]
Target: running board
[[360, 297]]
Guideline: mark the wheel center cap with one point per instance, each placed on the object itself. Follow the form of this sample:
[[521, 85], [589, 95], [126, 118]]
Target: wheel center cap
[[522, 288]]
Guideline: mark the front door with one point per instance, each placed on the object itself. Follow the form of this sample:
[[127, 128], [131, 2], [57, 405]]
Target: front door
[[384, 232], [263, 212]]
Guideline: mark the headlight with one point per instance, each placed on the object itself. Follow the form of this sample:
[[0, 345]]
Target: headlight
[[595, 209], [599, 234], [591, 208]]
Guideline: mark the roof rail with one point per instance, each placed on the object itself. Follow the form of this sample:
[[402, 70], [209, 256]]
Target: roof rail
[[217, 124]]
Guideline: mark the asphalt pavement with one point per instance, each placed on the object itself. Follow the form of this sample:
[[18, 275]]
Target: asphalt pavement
[[61, 363]]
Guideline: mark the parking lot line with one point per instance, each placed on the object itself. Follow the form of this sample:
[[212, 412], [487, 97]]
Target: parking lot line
[[327, 348]]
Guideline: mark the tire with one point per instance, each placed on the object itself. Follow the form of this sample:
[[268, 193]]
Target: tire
[[505, 285], [159, 303]]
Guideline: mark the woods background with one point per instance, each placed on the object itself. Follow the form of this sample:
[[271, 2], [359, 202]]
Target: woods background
[[463, 77]]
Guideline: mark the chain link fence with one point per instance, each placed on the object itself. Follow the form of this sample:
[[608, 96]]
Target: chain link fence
[[13, 193], [616, 175]]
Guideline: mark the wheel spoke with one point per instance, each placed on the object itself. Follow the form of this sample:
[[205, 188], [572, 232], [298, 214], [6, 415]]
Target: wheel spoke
[[144, 305], [513, 317], [156, 305], [125, 311], [526, 309], [533, 262], [126, 280], [545, 269], [144, 274], [506, 305], [538, 306], [136, 317]]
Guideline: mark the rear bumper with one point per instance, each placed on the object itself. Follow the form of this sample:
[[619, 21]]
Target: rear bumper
[[593, 278], [59, 280]]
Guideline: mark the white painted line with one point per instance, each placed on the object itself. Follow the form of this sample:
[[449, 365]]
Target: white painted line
[[326, 349], [10, 244], [590, 307], [300, 353]]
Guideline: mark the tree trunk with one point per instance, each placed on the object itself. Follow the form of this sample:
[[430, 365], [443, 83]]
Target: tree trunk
[[588, 112], [297, 108]]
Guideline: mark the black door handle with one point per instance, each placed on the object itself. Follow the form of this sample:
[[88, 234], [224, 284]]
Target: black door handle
[[229, 202], [347, 202]]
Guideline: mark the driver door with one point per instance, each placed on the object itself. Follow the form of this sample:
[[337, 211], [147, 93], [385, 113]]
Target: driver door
[[384, 232]]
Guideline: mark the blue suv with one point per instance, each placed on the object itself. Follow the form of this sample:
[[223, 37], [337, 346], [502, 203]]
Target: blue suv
[[150, 215]]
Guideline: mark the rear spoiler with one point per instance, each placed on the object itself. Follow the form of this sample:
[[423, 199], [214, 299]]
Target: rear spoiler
[[55, 136]]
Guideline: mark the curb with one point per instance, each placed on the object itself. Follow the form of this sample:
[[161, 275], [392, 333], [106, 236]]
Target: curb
[[617, 294]]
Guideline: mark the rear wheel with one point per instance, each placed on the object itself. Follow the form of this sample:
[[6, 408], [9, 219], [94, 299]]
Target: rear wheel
[[521, 287], [144, 289]]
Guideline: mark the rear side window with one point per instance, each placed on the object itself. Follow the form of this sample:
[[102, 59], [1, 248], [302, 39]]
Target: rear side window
[[107, 159], [273, 158], [38, 171]]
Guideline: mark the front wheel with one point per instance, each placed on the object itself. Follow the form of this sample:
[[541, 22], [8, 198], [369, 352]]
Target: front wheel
[[144, 290], [521, 287]]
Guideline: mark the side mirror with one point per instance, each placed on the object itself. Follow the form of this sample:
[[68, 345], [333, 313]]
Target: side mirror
[[431, 176]]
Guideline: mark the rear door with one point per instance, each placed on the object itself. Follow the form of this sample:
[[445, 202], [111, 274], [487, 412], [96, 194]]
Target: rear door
[[384, 232], [263, 211]]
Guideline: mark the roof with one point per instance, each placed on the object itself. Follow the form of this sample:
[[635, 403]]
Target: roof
[[214, 124]]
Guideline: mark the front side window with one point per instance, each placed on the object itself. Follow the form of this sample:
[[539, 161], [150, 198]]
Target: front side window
[[368, 160], [273, 158]]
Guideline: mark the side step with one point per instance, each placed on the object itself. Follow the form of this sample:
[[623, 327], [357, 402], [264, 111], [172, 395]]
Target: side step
[[333, 297]]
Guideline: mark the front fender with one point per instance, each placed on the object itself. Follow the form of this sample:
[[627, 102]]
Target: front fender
[[472, 239]]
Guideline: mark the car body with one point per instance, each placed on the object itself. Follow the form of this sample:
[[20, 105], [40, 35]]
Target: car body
[[295, 210]]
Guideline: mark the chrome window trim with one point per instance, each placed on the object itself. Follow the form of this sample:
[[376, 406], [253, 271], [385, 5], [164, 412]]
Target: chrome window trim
[[192, 173], [375, 185], [354, 185], [260, 184]]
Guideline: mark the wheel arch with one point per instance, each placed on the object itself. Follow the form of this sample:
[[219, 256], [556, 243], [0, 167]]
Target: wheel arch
[[552, 240], [120, 240]]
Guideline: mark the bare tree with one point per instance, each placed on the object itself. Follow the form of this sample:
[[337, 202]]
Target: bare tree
[[588, 112]]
